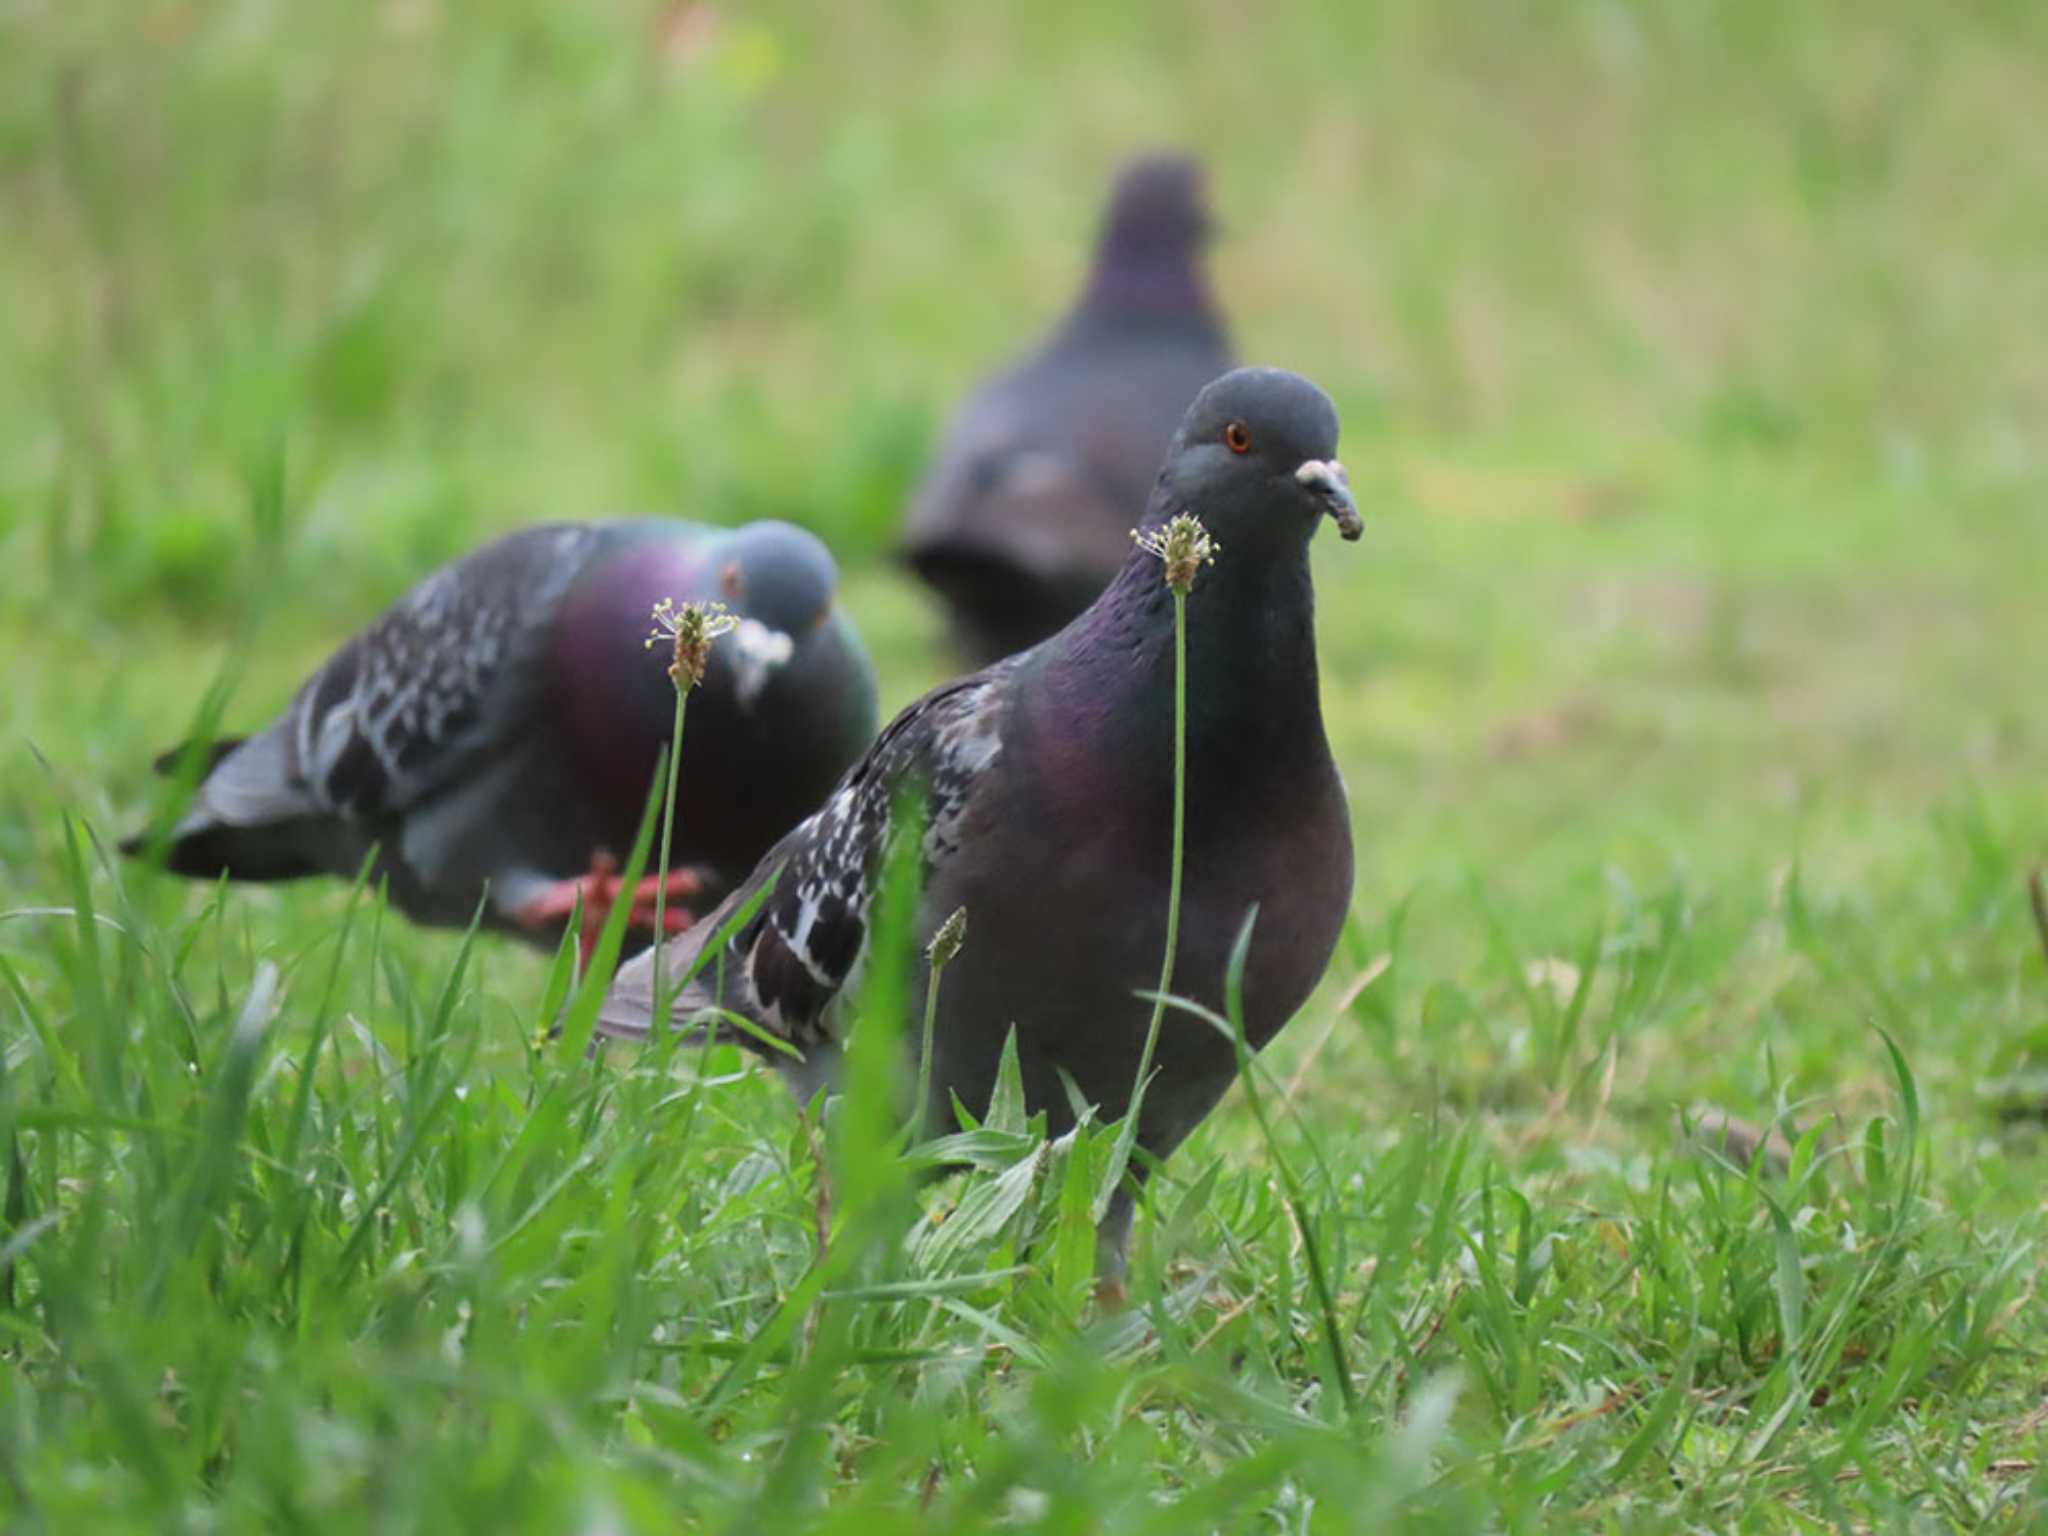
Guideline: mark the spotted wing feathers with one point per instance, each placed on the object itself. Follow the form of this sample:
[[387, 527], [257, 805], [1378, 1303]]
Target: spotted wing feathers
[[412, 701], [787, 968]]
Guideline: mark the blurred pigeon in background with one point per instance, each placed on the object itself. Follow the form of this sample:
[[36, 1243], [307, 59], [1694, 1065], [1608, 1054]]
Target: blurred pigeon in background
[[1027, 513], [499, 727], [1048, 781]]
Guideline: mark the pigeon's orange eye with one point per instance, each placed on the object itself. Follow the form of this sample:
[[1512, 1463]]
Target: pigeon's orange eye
[[1236, 438]]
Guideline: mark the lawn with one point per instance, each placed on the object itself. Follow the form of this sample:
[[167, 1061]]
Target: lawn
[[1666, 1147]]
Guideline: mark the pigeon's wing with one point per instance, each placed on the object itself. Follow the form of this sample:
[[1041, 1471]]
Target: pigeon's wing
[[788, 965], [426, 692], [1048, 465], [1037, 488]]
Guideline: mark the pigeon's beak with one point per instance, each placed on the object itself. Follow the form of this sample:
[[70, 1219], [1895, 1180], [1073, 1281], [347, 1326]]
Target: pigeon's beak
[[1326, 478]]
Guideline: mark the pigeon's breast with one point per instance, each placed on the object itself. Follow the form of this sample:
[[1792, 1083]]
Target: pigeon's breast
[[1066, 895], [611, 687]]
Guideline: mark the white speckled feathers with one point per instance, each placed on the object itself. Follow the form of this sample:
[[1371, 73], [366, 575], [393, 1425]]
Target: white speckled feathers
[[787, 969], [409, 703]]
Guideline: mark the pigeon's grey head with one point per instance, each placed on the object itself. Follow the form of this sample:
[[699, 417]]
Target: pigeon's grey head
[[777, 573], [1159, 208], [780, 582], [1256, 457]]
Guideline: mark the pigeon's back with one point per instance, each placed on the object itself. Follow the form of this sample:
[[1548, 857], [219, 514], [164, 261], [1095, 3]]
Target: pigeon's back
[[1044, 470]]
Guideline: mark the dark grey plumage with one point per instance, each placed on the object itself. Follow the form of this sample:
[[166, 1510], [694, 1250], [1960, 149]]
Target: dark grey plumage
[[1048, 782], [499, 725], [1024, 516]]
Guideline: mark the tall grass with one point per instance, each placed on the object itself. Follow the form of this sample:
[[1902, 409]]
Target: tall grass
[[279, 1247]]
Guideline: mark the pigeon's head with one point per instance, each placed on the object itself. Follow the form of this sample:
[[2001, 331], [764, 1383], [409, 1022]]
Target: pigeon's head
[[779, 574], [779, 581], [1256, 458], [1159, 208]]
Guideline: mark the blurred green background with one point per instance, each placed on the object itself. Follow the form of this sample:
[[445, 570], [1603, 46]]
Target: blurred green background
[[1691, 366], [1687, 355]]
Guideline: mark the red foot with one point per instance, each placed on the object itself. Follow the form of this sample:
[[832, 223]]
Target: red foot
[[600, 890]]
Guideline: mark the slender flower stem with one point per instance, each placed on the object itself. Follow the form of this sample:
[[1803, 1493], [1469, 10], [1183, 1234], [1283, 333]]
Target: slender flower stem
[[920, 1106], [668, 827], [688, 629], [1180, 808], [1183, 546], [945, 944]]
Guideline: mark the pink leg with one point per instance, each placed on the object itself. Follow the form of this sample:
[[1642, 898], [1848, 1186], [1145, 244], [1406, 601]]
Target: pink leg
[[682, 885], [600, 889]]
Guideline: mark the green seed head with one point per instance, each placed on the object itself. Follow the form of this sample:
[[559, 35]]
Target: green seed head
[[1183, 546], [689, 629], [946, 942]]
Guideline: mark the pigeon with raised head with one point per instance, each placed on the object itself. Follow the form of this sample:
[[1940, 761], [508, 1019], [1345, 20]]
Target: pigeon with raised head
[[1025, 515], [1047, 782], [499, 726]]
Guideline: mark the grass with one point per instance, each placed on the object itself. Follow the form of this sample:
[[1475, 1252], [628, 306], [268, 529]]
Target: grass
[[1687, 686]]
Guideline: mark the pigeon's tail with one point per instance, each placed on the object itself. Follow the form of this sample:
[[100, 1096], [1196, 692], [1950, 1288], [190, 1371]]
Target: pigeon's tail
[[243, 823], [208, 851], [211, 754], [628, 1010]]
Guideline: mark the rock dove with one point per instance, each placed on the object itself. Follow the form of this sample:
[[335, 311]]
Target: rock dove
[[1048, 786], [1027, 513], [499, 726]]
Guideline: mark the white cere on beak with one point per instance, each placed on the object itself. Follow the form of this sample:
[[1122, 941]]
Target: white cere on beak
[[1326, 473], [758, 651], [1328, 477]]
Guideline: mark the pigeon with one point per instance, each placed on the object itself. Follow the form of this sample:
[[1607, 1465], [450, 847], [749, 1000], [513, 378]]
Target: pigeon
[[494, 734], [1025, 515], [1047, 786]]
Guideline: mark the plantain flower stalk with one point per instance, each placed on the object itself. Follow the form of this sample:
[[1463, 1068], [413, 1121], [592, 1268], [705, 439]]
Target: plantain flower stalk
[[939, 953], [1183, 547], [689, 629]]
